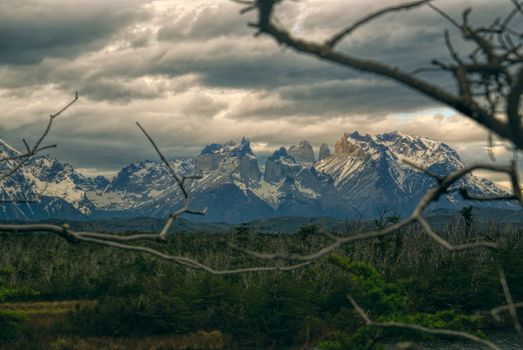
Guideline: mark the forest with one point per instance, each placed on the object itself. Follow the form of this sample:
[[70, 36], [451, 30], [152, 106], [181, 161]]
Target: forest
[[115, 299]]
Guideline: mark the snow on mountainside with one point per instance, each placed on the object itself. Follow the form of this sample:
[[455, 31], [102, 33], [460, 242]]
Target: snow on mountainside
[[228, 170], [137, 185], [59, 190], [363, 173], [298, 189], [368, 172]]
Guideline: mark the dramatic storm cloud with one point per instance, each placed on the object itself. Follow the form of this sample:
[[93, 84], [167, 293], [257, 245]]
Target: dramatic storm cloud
[[193, 73]]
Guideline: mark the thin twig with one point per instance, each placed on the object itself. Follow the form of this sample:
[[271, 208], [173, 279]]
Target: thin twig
[[32, 151], [497, 65], [497, 310], [331, 43], [510, 305], [181, 185]]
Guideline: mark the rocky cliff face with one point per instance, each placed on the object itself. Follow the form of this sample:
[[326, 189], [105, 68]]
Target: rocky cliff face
[[324, 152], [298, 189], [344, 147], [280, 165], [229, 159], [302, 153]]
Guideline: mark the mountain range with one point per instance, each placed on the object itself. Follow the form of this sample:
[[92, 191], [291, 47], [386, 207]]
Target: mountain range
[[363, 174]]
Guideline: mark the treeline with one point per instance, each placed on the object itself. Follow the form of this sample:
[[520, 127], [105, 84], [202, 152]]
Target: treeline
[[403, 277]]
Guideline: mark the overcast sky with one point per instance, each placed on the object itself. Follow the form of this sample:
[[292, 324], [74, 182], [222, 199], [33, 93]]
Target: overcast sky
[[192, 73]]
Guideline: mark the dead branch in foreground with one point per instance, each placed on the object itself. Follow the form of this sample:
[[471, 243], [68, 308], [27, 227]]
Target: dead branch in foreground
[[296, 261], [23, 158], [418, 328], [489, 84]]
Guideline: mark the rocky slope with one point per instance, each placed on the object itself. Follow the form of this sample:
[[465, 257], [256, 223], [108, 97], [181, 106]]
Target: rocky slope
[[56, 189], [368, 172]]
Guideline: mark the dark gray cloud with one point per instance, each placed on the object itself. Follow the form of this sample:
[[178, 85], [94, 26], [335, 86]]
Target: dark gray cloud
[[205, 22], [331, 98], [193, 73], [33, 30], [213, 42]]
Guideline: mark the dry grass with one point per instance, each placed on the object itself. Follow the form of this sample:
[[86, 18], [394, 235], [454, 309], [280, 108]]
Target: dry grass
[[48, 307], [200, 340], [43, 316]]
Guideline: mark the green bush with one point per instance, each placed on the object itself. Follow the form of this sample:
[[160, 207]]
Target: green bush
[[411, 280], [11, 323], [387, 301]]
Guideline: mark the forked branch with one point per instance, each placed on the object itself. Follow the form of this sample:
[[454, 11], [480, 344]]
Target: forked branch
[[124, 241], [22, 158], [495, 70]]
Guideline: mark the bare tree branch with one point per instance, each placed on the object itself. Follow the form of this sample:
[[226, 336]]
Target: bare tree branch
[[32, 151], [510, 305], [466, 195], [437, 331], [497, 310], [331, 43], [115, 241], [181, 184], [496, 63]]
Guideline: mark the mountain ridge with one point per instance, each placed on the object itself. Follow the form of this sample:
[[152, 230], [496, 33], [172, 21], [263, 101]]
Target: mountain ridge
[[363, 174]]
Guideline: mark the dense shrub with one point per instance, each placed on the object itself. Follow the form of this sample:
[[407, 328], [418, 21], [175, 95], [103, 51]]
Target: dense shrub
[[387, 301], [403, 277], [11, 323]]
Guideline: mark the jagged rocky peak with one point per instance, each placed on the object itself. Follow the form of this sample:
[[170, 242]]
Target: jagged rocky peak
[[230, 148], [421, 149], [100, 181], [137, 176], [229, 157], [281, 154], [303, 152], [280, 165], [344, 147], [325, 152], [249, 170]]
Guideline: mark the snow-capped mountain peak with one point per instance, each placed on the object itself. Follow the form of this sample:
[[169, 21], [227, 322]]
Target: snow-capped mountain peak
[[364, 172], [420, 149], [368, 169], [229, 148], [7, 151]]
